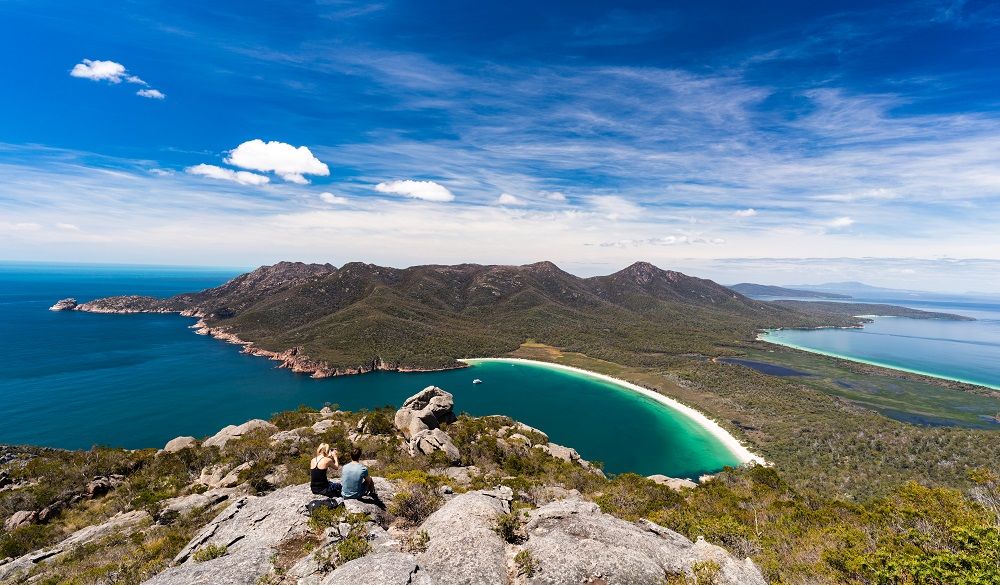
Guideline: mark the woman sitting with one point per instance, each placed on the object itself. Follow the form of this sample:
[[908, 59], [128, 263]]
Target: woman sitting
[[318, 482]]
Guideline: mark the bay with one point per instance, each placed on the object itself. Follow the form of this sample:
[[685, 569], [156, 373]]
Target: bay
[[73, 380]]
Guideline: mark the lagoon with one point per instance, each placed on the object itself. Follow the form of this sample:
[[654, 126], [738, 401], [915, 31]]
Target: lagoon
[[965, 351]]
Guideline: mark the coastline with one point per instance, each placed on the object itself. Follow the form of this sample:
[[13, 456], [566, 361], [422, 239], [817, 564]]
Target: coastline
[[764, 337], [293, 359], [735, 447]]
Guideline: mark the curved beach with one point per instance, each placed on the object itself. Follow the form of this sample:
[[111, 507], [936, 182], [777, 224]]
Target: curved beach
[[738, 450]]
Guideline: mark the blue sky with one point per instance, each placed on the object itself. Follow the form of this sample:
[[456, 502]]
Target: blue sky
[[778, 142]]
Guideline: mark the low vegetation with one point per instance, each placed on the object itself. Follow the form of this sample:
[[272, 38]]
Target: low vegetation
[[902, 531]]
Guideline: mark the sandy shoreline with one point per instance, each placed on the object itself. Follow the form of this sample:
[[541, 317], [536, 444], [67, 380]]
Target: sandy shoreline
[[713, 428], [764, 337]]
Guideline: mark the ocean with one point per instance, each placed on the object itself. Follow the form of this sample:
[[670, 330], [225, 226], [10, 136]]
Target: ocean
[[73, 380], [966, 351]]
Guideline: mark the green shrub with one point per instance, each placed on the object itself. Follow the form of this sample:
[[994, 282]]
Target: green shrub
[[355, 545], [632, 497], [526, 564], [212, 551], [415, 504], [25, 539], [323, 517], [419, 541], [304, 416], [508, 526]]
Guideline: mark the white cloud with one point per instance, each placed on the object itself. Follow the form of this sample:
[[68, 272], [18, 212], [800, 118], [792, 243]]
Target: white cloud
[[241, 177], [109, 71], [554, 195], [508, 199], [286, 161], [426, 190], [151, 93], [751, 212], [878, 194], [161, 172], [615, 207], [841, 222], [662, 241], [333, 199], [68, 227]]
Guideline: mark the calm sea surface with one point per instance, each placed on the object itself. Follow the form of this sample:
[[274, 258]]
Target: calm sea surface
[[72, 380], [968, 351]]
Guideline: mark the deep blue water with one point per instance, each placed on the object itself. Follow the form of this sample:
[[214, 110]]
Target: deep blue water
[[72, 380], [960, 350]]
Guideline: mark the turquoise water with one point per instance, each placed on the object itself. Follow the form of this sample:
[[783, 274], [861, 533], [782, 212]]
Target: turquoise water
[[72, 379], [967, 351]]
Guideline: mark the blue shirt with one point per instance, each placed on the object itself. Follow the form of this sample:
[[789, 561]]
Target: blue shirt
[[352, 478]]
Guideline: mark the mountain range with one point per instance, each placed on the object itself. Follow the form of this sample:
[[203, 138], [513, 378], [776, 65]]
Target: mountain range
[[361, 317]]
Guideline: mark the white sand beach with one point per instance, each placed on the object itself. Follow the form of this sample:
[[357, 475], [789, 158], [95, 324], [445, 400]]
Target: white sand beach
[[738, 450]]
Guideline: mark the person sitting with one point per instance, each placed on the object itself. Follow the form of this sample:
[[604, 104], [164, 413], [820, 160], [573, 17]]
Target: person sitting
[[318, 482], [356, 482]]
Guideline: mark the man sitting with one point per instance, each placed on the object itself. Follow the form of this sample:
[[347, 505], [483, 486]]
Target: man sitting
[[354, 479]]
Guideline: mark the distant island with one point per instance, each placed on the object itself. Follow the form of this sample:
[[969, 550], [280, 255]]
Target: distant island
[[328, 321], [763, 290]]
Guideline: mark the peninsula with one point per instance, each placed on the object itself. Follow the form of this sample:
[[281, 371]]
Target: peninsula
[[327, 321]]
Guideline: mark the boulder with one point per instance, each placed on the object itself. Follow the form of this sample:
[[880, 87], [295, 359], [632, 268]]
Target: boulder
[[461, 475], [5, 479], [176, 444], [463, 547], [388, 568], [429, 441], [674, 483], [183, 505], [100, 486], [574, 542], [568, 454], [292, 436], [425, 410], [251, 529], [20, 519], [232, 432], [220, 476], [323, 426]]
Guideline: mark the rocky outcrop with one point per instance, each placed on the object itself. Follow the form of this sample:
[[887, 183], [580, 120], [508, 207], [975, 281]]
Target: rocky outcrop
[[176, 444], [255, 530], [232, 432], [419, 418], [222, 476], [425, 410], [20, 518], [388, 568], [64, 305], [184, 505], [572, 541], [675, 483], [567, 454], [463, 546], [122, 524], [128, 304], [427, 442], [250, 529]]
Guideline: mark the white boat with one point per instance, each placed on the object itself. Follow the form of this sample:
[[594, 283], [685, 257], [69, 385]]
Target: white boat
[[477, 381]]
